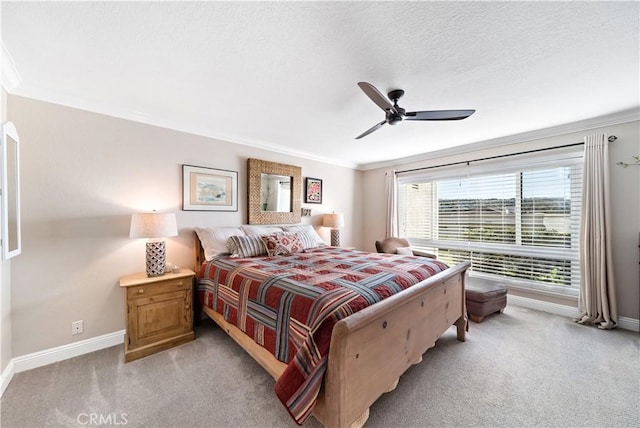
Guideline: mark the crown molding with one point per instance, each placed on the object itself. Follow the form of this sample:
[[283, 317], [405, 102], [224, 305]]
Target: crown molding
[[10, 76], [121, 112], [288, 151], [617, 118], [58, 97]]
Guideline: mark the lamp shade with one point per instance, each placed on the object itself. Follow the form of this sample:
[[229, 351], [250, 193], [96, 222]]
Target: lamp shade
[[153, 225], [333, 220]]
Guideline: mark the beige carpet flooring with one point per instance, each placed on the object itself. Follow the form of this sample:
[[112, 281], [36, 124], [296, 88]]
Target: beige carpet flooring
[[522, 368]]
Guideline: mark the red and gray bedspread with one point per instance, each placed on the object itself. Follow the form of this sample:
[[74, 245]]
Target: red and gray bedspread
[[289, 304]]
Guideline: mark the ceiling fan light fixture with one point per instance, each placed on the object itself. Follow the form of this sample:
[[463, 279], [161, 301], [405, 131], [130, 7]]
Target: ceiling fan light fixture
[[394, 119]]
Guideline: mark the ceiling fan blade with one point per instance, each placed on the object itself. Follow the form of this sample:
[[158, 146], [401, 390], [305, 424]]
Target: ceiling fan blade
[[375, 95], [439, 115], [370, 130]]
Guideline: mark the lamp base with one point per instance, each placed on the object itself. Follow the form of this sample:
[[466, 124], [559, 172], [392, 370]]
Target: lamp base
[[156, 258], [335, 237]]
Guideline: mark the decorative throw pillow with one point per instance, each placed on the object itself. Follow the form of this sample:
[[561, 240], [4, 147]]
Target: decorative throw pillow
[[405, 251], [308, 235], [282, 244], [246, 246], [214, 239]]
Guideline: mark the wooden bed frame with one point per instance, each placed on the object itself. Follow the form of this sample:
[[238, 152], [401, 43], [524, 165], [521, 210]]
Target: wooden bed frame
[[370, 349]]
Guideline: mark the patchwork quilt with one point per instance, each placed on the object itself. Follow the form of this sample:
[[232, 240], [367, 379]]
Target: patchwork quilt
[[289, 304]]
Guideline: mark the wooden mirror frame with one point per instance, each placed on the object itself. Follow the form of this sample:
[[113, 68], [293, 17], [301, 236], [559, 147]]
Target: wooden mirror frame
[[255, 169]]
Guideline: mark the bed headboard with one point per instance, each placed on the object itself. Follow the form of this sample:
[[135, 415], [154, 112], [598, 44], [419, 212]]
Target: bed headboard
[[198, 253]]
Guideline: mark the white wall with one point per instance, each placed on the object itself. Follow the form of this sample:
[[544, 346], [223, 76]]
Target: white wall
[[625, 201], [83, 174], [6, 352]]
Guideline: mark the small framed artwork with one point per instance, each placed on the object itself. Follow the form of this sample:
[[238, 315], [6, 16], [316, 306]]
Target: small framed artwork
[[312, 190], [209, 189]]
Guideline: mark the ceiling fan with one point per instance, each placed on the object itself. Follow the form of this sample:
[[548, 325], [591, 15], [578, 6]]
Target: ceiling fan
[[395, 114]]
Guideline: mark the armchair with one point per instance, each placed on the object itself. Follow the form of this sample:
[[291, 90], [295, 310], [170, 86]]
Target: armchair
[[394, 245]]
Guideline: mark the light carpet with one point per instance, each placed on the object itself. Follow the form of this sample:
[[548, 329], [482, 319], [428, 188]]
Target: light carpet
[[523, 368]]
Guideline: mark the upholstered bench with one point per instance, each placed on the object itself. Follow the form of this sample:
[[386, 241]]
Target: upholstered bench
[[484, 298]]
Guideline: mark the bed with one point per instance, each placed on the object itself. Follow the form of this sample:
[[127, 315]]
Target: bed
[[326, 368]]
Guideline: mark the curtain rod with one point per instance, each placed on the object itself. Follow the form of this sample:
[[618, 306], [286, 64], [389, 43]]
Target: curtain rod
[[611, 139]]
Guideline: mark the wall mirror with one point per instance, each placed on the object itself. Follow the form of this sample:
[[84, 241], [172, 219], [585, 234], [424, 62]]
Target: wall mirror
[[274, 192], [11, 235]]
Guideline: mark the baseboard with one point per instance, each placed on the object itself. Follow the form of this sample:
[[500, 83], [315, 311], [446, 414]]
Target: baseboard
[[59, 353], [540, 305], [6, 376], [629, 324], [64, 352], [566, 311]]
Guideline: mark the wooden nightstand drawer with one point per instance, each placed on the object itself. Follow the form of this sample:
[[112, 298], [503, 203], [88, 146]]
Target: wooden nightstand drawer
[[153, 289], [159, 312]]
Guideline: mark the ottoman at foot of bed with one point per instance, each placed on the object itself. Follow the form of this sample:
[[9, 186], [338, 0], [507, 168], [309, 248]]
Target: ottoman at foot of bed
[[485, 298]]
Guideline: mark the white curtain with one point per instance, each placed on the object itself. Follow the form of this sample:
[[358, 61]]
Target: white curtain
[[597, 286], [392, 217]]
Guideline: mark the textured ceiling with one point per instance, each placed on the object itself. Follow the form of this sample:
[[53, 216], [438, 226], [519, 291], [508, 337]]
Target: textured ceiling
[[283, 75]]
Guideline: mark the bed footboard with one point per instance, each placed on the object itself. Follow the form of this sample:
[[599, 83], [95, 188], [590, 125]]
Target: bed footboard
[[372, 348]]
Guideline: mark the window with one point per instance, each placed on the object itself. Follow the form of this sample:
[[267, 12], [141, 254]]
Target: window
[[517, 222]]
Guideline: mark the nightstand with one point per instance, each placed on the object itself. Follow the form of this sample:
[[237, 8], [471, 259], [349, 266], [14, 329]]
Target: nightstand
[[159, 312]]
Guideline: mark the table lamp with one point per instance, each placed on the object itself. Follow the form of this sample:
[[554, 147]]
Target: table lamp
[[154, 226], [335, 222]]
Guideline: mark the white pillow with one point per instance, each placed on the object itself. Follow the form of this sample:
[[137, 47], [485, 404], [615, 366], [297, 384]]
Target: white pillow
[[260, 230], [404, 251], [308, 235], [214, 239]]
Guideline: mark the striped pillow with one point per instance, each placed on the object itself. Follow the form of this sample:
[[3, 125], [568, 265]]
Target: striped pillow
[[308, 235], [246, 246]]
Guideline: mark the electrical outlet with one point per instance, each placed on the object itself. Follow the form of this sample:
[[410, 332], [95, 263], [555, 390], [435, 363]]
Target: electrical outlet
[[76, 327]]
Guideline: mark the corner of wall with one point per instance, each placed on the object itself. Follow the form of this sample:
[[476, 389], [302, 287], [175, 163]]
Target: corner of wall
[[6, 347]]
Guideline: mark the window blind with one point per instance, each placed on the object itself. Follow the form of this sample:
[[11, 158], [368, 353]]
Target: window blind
[[515, 221]]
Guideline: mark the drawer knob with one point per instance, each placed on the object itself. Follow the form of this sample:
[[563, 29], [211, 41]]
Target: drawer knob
[[186, 306], [180, 284], [140, 291]]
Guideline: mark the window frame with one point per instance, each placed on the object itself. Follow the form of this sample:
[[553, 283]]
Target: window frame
[[517, 164]]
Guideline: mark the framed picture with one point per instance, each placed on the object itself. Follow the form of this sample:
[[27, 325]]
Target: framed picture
[[312, 190], [209, 189]]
